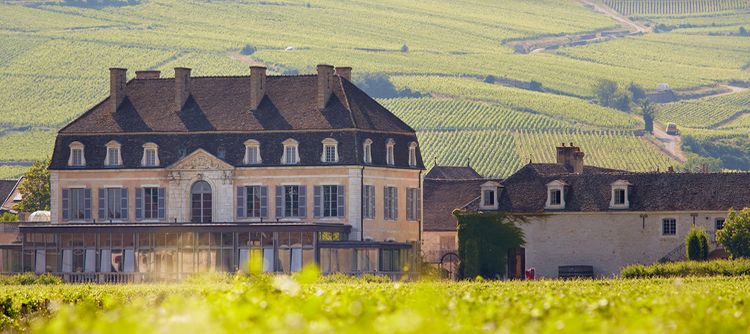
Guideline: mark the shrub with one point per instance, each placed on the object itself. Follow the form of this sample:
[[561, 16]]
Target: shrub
[[535, 85], [248, 50], [490, 79], [688, 268], [735, 236], [379, 85], [404, 48], [30, 279], [8, 217], [696, 245]]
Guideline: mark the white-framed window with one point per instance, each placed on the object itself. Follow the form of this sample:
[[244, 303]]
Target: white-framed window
[[413, 204], [620, 193], [150, 203], [252, 152], [669, 226], [390, 147], [113, 203], [330, 150], [390, 203], [555, 195], [412, 154], [291, 152], [367, 151], [490, 193], [368, 201], [113, 157], [77, 157], [150, 155], [291, 201], [76, 204]]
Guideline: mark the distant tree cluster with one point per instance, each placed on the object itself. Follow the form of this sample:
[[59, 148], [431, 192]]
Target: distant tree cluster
[[379, 85], [248, 49], [35, 188], [608, 94]]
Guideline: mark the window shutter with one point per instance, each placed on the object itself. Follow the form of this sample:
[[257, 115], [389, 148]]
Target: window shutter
[[279, 201], [161, 202], [139, 194], [386, 203], [409, 205], [87, 204], [317, 200], [264, 201], [303, 201], [417, 194], [372, 202], [124, 203], [241, 194], [395, 203], [102, 204], [65, 204], [340, 201]]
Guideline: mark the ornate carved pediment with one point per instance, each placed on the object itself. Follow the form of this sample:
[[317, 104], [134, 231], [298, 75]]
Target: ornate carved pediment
[[200, 160]]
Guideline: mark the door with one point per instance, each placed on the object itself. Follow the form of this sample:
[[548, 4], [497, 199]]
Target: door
[[516, 263], [200, 202]]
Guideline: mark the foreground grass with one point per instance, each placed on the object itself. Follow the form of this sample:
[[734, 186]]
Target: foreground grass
[[285, 305]]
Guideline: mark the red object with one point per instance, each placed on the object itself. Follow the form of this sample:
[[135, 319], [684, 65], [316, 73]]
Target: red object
[[530, 274]]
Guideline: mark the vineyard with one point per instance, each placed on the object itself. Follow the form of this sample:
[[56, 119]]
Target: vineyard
[[674, 7], [303, 305], [708, 112]]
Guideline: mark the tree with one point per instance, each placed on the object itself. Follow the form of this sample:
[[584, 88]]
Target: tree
[[379, 85], [404, 48], [490, 79], [647, 109], [621, 102], [735, 236], [637, 93], [35, 188], [696, 245], [535, 85], [8, 217], [605, 92], [743, 32], [484, 240], [248, 50]]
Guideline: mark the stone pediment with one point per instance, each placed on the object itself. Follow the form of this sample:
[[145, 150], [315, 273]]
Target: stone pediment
[[200, 159]]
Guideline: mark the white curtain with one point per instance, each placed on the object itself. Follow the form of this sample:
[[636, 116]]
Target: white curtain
[[243, 260], [268, 257], [106, 262], [90, 265], [129, 261], [296, 259], [41, 261], [67, 261]]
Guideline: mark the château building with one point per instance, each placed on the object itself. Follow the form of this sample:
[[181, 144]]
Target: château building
[[172, 176]]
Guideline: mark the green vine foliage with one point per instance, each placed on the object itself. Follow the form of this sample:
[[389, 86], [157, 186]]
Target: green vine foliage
[[483, 243]]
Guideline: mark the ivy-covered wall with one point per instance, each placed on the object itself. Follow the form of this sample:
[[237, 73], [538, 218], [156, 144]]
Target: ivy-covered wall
[[483, 243]]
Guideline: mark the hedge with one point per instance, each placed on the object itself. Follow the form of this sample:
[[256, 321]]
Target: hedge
[[737, 267]]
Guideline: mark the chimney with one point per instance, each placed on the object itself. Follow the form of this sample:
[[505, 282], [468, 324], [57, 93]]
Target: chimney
[[181, 86], [145, 75], [257, 85], [117, 78], [344, 72], [570, 157], [325, 84]]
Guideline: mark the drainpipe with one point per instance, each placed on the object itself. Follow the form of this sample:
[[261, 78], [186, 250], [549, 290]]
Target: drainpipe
[[421, 211], [361, 202]]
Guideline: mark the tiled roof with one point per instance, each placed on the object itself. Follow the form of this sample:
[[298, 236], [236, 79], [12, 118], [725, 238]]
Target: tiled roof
[[526, 191], [223, 104], [6, 188], [452, 173], [442, 196]]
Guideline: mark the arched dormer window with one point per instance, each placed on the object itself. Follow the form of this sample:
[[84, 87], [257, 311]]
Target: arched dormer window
[[490, 194], [252, 152], [367, 151], [77, 157], [620, 195], [555, 195], [113, 158], [330, 150], [291, 152], [150, 155], [412, 154], [390, 147]]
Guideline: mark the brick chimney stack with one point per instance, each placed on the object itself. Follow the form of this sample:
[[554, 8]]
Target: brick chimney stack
[[117, 82], [571, 157], [145, 75], [181, 86], [257, 85], [325, 84], [344, 72]]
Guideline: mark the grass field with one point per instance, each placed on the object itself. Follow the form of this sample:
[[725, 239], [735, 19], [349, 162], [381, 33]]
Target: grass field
[[284, 305], [54, 60]]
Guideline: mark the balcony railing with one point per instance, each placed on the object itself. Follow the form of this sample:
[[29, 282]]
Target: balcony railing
[[128, 278]]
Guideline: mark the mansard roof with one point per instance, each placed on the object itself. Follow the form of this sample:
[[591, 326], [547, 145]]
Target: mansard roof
[[526, 191], [452, 173], [442, 196], [223, 104]]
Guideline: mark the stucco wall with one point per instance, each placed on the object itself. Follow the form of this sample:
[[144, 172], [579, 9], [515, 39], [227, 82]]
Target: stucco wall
[[607, 241], [431, 247]]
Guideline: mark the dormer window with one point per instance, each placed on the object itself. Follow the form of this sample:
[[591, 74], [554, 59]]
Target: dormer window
[[113, 157], [555, 195], [367, 151], [77, 158], [620, 194], [252, 152], [389, 155], [412, 154], [291, 152], [330, 150], [150, 155], [490, 194], [221, 152]]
